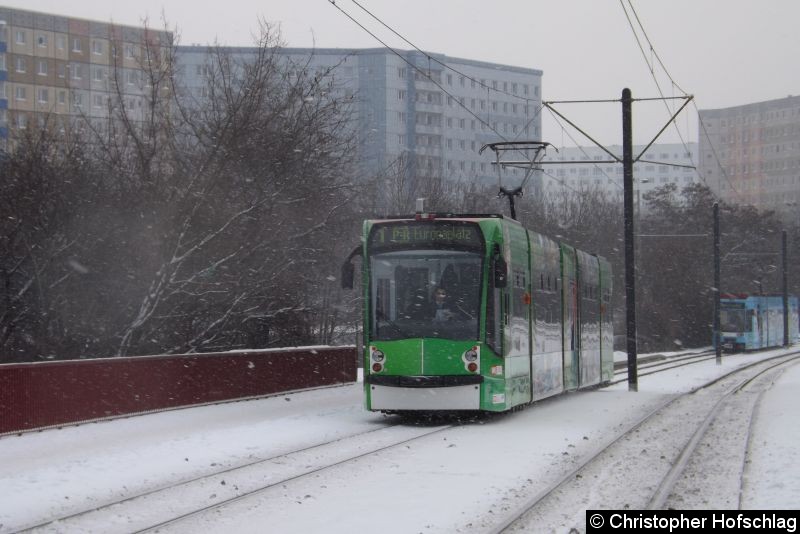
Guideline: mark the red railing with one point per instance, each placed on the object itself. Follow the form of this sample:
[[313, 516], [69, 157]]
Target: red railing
[[44, 394]]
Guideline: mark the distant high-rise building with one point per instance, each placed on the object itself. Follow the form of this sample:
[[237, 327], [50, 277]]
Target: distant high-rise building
[[57, 69], [421, 114], [428, 113], [662, 164], [750, 154]]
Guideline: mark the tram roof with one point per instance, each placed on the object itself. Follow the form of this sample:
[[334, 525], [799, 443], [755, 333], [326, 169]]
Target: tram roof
[[446, 215]]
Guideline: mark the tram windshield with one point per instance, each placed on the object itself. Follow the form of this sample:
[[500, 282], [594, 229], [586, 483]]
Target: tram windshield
[[425, 293], [733, 320]]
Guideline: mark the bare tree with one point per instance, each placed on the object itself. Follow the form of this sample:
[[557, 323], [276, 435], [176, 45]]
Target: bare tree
[[208, 224], [47, 185]]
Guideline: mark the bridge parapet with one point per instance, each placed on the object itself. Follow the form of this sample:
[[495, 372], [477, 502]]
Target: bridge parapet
[[45, 394]]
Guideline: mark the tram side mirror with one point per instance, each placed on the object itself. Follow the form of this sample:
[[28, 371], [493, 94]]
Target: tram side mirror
[[348, 271], [499, 272]]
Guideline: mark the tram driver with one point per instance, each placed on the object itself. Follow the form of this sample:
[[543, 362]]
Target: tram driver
[[441, 306]]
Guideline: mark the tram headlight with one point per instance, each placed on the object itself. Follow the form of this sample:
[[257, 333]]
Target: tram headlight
[[377, 356], [471, 355]]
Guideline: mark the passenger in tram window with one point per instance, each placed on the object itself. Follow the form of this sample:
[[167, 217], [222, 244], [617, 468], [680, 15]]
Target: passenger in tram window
[[417, 307]]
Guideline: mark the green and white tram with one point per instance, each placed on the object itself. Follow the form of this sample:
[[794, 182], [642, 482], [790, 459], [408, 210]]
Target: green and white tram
[[477, 313]]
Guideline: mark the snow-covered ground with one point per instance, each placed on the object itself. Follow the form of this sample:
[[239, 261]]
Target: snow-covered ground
[[449, 481]]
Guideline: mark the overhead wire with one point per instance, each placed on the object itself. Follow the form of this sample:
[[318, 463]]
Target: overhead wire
[[650, 65], [433, 58], [675, 84], [431, 79], [415, 67], [582, 149], [475, 81]]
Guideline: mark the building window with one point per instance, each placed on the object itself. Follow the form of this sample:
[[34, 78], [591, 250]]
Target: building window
[[97, 47], [98, 74], [42, 70], [97, 101], [61, 42], [129, 51], [21, 93], [22, 65], [22, 121], [21, 37], [62, 97], [76, 45], [44, 96], [41, 40], [76, 72]]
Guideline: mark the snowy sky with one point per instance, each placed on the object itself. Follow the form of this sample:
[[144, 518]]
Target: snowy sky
[[725, 52]]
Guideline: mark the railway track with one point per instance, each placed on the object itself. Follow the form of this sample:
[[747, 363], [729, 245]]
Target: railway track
[[165, 505], [638, 455], [659, 472], [651, 365]]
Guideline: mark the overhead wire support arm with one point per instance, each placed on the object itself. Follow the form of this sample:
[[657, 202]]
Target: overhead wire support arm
[[688, 99], [593, 140]]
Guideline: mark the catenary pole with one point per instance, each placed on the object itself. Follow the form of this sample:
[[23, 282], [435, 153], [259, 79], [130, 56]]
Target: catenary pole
[[717, 337], [785, 291], [630, 275]]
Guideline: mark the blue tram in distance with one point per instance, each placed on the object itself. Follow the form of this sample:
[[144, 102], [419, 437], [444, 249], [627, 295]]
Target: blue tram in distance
[[749, 322]]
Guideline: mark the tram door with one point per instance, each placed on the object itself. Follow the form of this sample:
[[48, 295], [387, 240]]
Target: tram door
[[569, 333]]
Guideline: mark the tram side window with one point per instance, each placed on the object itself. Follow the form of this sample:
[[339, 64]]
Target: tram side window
[[493, 328], [494, 337]]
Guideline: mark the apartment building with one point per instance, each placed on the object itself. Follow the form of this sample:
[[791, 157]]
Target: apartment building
[[750, 154], [422, 114], [428, 114], [661, 164], [56, 70]]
